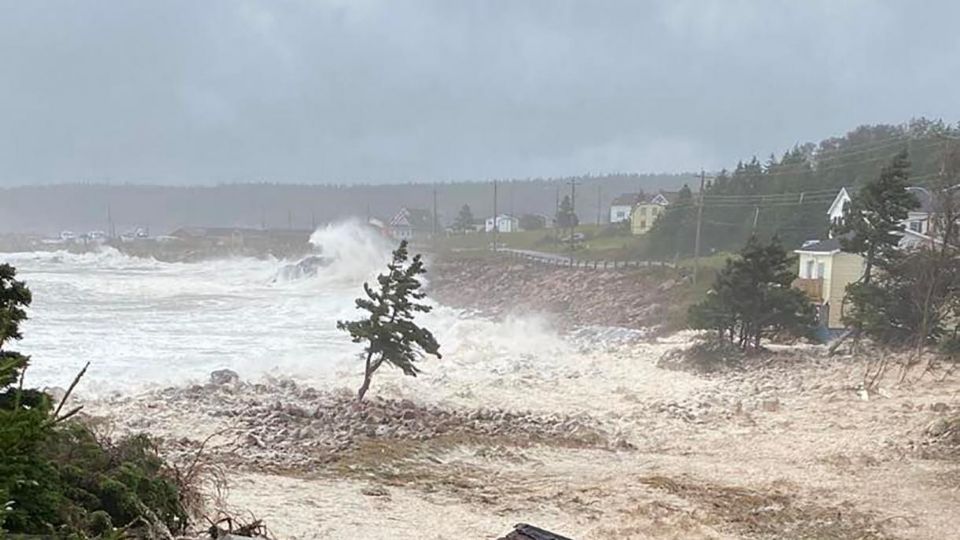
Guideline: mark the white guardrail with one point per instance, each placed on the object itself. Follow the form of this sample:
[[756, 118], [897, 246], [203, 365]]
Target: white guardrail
[[556, 259]]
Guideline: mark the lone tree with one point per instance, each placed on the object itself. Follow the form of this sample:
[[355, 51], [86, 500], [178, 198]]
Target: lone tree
[[389, 330], [464, 221], [753, 298]]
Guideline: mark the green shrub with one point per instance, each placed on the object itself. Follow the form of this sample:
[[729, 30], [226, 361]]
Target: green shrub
[[56, 478]]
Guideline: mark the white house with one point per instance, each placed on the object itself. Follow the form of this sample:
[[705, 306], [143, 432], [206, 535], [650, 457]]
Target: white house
[[622, 206], [825, 270], [505, 224], [916, 226]]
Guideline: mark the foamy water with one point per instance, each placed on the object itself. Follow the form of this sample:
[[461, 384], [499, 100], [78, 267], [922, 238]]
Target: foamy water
[[141, 322]]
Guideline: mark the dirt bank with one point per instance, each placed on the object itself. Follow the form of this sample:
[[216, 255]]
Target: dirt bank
[[649, 299]]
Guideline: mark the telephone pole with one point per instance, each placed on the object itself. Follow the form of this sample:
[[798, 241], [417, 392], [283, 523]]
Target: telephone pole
[[599, 203], [495, 224], [696, 242], [573, 211], [434, 211]]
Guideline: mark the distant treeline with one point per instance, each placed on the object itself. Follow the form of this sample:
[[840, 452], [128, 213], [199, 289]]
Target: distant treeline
[[83, 207], [789, 195]]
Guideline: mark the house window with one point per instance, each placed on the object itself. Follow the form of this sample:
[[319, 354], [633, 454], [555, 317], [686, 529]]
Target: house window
[[916, 226], [620, 214], [809, 272], [643, 211], [820, 270], [653, 211], [643, 224]]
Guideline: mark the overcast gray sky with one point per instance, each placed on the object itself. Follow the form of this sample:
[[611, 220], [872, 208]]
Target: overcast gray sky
[[389, 90]]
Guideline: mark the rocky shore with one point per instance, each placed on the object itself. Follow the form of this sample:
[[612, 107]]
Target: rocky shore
[[649, 299]]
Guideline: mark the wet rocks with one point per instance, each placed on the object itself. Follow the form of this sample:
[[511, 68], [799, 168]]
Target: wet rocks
[[222, 377]]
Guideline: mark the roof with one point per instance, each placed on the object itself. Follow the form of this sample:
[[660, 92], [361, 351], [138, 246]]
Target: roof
[[414, 218], [924, 197], [831, 245], [626, 199], [662, 198], [922, 194]]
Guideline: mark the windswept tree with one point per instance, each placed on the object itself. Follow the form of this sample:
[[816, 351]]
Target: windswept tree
[[752, 298], [464, 221], [389, 330]]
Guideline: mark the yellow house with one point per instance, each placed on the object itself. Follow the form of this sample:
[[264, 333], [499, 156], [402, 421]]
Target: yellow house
[[825, 271], [646, 212]]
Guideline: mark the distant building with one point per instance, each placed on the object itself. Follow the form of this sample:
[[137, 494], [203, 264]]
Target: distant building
[[505, 223], [411, 224], [646, 212], [622, 206]]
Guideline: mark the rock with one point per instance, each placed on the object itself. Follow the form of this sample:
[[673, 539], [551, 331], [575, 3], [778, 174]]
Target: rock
[[940, 407], [375, 491], [770, 405], [222, 377]]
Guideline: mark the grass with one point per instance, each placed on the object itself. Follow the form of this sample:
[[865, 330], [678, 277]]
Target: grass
[[599, 243]]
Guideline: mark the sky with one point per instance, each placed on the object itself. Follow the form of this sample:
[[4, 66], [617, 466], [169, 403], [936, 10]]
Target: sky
[[378, 91]]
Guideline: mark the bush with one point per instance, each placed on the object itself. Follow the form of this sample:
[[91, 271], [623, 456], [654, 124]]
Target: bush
[[56, 478], [704, 356]]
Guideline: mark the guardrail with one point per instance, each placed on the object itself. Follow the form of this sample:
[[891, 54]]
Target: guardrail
[[554, 259]]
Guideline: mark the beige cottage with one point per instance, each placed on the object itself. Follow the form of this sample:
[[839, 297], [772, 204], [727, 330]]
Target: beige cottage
[[824, 274], [647, 210]]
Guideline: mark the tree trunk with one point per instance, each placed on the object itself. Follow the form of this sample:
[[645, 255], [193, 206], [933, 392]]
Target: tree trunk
[[367, 377]]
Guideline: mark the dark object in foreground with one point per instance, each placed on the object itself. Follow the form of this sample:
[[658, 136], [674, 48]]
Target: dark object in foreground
[[522, 531]]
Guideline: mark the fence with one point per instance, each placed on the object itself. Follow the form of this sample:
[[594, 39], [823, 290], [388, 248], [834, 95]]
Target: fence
[[554, 259]]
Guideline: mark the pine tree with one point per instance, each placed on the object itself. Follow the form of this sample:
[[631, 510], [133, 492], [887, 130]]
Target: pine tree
[[873, 220], [566, 217], [390, 333], [14, 299], [752, 298], [464, 221]]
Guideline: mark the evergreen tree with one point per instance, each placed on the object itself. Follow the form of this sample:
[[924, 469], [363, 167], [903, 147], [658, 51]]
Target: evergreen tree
[[752, 297], [873, 220], [14, 299], [566, 217], [464, 221], [389, 331]]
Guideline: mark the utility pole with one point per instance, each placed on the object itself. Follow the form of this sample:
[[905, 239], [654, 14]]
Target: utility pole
[[573, 212], [599, 203], [111, 231], [434, 211], [495, 224], [696, 242], [756, 217]]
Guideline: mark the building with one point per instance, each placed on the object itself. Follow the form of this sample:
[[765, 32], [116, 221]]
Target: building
[[505, 224], [825, 271], [622, 206], [917, 222], [411, 224], [646, 212]]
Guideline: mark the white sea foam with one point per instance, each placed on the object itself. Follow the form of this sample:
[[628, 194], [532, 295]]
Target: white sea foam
[[142, 322]]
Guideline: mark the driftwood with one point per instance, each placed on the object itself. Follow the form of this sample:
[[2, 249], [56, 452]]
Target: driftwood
[[522, 531], [839, 341]]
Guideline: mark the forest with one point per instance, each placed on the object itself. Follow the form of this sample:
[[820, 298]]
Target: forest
[[789, 196]]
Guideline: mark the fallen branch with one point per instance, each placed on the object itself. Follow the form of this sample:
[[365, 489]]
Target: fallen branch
[[70, 390]]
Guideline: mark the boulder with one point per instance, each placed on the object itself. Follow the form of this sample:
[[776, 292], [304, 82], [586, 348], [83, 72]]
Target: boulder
[[222, 377]]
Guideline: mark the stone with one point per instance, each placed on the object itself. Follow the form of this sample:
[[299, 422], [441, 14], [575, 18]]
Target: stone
[[770, 405], [940, 407], [222, 377]]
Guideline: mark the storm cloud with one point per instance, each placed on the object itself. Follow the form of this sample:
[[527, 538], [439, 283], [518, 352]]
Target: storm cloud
[[345, 91]]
